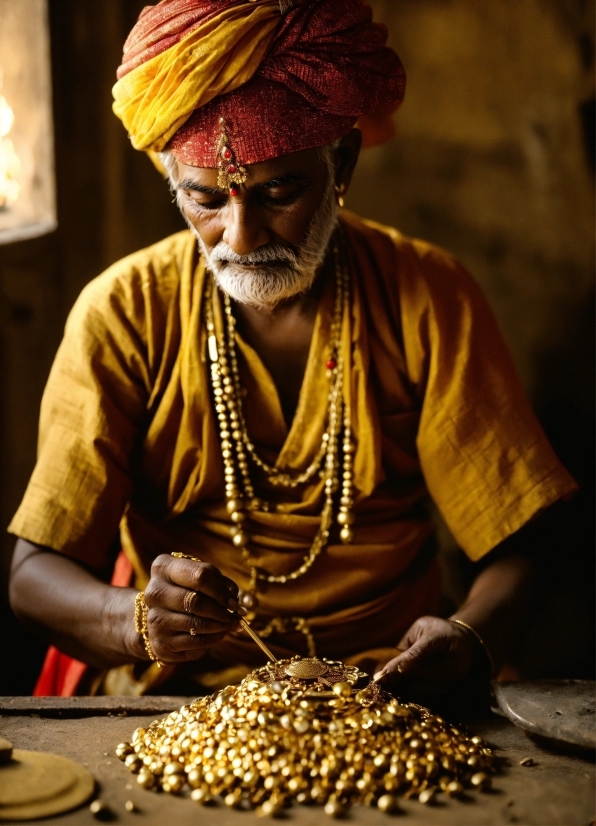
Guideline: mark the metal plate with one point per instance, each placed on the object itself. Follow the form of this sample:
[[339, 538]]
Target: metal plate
[[563, 711], [34, 784]]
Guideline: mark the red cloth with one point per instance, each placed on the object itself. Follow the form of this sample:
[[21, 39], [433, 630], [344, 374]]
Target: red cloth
[[60, 674], [327, 68]]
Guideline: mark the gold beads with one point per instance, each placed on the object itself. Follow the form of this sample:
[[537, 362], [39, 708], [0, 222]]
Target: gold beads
[[334, 808], [342, 689], [481, 780], [346, 535], [388, 803], [345, 517], [278, 738], [146, 779], [428, 796], [123, 750], [240, 539]]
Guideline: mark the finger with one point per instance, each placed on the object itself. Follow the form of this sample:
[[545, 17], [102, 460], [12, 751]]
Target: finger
[[182, 647], [199, 626], [163, 624], [162, 594], [383, 672], [418, 655], [197, 576]]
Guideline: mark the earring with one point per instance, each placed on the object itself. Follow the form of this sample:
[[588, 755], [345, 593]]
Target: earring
[[340, 191]]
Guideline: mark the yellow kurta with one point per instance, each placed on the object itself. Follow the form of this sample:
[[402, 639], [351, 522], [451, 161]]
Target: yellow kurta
[[129, 439]]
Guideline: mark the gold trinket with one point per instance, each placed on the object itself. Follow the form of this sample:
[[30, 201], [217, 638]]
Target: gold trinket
[[307, 669]]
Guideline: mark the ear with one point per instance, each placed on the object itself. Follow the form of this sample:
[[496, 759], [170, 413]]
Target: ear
[[346, 158]]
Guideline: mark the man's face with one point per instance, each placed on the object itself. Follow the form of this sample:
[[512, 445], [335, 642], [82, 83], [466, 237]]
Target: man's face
[[266, 243]]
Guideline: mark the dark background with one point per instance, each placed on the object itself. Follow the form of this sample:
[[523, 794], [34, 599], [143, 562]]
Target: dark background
[[493, 160]]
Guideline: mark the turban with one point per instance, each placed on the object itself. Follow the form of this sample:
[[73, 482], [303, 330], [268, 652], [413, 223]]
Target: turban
[[284, 75]]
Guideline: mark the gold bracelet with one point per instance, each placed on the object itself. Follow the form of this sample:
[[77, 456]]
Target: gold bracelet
[[493, 670], [141, 626]]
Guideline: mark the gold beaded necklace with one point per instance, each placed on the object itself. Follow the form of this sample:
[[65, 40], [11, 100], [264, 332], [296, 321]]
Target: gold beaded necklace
[[238, 451]]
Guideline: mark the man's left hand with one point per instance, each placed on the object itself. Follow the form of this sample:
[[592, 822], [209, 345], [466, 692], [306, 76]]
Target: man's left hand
[[434, 656]]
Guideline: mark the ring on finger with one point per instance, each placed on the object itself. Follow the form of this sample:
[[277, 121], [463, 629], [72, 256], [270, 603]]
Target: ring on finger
[[188, 600]]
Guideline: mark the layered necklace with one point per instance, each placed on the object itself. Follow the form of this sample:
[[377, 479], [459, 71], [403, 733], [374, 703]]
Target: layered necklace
[[333, 459]]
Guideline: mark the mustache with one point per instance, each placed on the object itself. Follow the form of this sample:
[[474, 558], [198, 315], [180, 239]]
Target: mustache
[[262, 255]]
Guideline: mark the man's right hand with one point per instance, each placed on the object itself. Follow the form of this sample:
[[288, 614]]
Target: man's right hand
[[189, 604]]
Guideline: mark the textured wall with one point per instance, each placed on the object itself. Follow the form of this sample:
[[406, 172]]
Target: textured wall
[[490, 162], [490, 159]]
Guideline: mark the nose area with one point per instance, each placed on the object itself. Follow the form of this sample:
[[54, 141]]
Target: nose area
[[245, 230]]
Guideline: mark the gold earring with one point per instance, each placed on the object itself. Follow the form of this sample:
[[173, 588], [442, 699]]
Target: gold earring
[[340, 191]]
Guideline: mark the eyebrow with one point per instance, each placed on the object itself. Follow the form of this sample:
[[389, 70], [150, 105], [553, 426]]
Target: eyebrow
[[280, 180], [195, 187]]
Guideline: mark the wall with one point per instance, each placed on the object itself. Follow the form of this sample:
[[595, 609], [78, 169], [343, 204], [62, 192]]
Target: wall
[[490, 161]]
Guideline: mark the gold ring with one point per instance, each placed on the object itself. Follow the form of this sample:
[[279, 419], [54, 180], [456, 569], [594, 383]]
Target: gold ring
[[193, 632], [188, 598], [178, 555]]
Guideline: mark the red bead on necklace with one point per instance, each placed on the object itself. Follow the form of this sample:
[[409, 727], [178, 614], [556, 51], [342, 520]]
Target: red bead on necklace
[[331, 364]]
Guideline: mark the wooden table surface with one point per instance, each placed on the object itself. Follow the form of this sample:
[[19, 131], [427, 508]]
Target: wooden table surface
[[559, 790]]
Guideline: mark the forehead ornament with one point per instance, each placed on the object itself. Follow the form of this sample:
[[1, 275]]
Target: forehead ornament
[[230, 174]]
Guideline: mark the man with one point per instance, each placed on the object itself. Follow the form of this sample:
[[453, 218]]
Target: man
[[256, 410]]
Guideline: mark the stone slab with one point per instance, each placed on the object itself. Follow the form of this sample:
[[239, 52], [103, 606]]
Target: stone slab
[[557, 789], [563, 711], [90, 706]]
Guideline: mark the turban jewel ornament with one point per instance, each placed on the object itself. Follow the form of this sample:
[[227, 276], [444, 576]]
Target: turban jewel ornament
[[284, 75]]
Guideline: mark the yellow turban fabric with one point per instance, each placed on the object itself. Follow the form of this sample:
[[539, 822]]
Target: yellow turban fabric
[[219, 55]]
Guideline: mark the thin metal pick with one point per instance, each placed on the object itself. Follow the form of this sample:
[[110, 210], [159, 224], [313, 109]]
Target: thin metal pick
[[257, 639]]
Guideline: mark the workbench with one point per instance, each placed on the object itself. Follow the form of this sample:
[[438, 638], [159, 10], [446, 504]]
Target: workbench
[[557, 790]]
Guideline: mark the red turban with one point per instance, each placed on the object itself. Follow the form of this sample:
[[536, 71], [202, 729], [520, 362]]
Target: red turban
[[285, 74]]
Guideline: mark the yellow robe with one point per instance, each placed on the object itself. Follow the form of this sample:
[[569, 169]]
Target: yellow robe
[[129, 441]]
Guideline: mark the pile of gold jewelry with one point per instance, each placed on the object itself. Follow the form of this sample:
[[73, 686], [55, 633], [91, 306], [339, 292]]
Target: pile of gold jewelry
[[304, 730]]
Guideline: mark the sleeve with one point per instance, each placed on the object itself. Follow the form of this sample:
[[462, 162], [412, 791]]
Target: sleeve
[[91, 417], [486, 460]]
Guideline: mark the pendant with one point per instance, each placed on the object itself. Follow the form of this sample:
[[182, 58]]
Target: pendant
[[314, 674]]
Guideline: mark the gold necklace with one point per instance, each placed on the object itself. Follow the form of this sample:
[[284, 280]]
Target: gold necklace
[[237, 448]]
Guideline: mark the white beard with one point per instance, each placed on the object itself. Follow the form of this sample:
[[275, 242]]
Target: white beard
[[293, 273]]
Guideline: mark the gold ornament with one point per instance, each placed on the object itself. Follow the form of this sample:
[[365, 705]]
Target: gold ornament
[[311, 731], [307, 669], [230, 175]]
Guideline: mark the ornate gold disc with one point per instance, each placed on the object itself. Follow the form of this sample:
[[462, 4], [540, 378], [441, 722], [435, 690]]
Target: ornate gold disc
[[308, 668]]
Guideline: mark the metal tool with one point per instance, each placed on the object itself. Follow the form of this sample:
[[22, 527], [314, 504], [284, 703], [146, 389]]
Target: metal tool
[[257, 639]]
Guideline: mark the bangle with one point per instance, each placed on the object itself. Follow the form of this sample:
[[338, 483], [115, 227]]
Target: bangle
[[142, 628], [483, 645]]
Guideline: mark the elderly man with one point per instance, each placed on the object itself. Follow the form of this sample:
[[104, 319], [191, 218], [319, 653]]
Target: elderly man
[[253, 412]]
